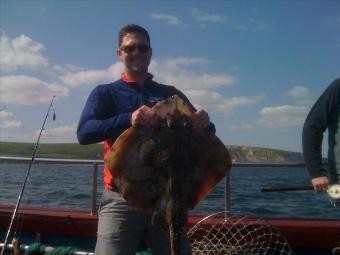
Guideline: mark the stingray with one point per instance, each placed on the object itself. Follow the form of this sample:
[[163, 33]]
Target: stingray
[[170, 169]]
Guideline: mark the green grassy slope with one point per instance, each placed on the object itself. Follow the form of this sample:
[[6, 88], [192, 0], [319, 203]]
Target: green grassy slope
[[58, 150], [95, 151]]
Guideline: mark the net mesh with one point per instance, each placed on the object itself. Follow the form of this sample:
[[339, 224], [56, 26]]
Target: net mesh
[[231, 234]]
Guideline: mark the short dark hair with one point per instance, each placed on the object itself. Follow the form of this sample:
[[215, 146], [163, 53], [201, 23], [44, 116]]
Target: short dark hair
[[132, 28]]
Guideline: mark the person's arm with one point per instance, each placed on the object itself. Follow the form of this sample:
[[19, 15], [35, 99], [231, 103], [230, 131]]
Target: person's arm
[[99, 120], [315, 125]]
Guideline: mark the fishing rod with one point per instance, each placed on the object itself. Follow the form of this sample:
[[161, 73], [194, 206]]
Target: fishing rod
[[286, 188], [26, 178], [333, 191]]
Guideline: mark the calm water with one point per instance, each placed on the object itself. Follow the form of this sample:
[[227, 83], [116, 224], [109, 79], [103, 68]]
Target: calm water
[[69, 186]]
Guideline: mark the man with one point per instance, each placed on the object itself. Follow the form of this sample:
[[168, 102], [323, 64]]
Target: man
[[325, 114], [111, 109]]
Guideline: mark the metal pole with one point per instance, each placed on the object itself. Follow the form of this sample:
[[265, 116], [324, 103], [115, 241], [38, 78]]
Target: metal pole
[[227, 193], [94, 189]]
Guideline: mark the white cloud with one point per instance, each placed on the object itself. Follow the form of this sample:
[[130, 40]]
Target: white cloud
[[282, 116], [184, 61], [8, 120], [206, 17], [298, 92], [169, 19], [215, 102], [10, 124], [4, 114], [16, 137], [174, 71], [26, 90], [91, 77], [63, 134], [21, 52]]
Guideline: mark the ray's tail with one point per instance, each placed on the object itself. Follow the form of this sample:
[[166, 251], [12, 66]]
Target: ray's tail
[[175, 227]]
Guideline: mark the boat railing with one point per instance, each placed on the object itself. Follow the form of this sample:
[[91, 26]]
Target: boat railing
[[95, 163]]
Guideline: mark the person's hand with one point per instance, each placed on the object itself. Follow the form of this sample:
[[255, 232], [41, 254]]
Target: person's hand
[[200, 120], [320, 184], [144, 116]]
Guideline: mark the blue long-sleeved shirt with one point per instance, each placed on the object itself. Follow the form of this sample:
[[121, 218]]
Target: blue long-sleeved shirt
[[325, 114], [109, 107]]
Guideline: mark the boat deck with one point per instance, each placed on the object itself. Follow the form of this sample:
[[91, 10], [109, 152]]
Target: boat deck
[[77, 224]]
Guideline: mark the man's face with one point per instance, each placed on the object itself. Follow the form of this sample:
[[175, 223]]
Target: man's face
[[135, 53]]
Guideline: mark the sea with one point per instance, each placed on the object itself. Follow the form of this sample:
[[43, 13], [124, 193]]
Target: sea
[[69, 186]]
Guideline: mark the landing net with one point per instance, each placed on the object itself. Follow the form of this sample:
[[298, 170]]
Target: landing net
[[229, 234]]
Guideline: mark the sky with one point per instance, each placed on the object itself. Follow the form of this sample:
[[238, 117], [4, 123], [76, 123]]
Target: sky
[[257, 67]]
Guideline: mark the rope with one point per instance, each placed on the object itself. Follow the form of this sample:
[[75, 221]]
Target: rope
[[40, 249], [145, 252], [36, 249]]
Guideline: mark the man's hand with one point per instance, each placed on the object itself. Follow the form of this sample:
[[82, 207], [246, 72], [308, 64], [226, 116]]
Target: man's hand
[[144, 116], [200, 120], [320, 184]]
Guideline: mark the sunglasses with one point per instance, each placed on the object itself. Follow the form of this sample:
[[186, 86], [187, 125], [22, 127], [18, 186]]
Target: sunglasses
[[142, 48]]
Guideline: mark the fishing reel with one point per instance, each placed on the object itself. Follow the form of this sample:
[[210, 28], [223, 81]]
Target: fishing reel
[[334, 194]]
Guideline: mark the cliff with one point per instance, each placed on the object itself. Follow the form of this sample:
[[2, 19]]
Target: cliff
[[258, 154]]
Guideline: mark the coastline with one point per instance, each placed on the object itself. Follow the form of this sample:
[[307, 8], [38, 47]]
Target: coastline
[[96, 151]]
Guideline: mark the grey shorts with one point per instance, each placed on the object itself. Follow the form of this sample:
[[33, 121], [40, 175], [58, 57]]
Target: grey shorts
[[121, 228]]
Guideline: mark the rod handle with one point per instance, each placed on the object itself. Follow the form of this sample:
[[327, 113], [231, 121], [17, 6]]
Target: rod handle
[[286, 188]]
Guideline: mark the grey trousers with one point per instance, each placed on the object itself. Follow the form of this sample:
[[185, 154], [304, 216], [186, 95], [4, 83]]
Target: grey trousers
[[121, 228]]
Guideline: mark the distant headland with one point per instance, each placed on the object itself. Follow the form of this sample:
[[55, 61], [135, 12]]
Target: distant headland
[[95, 151]]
